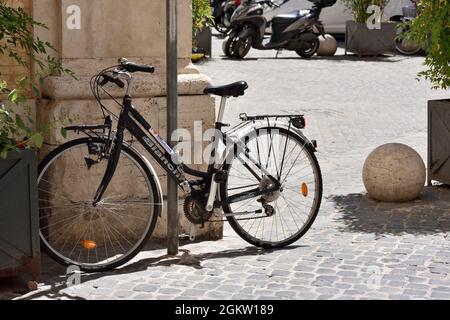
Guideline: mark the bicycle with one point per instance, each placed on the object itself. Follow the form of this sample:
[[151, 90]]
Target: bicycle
[[99, 213]]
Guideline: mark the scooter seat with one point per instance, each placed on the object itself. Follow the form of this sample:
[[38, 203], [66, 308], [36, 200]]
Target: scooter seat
[[235, 89], [290, 17]]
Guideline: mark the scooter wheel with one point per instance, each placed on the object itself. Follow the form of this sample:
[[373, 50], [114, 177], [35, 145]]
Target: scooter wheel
[[227, 46], [243, 44], [310, 48]]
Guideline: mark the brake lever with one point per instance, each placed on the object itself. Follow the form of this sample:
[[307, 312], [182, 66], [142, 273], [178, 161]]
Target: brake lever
[[107, 78]]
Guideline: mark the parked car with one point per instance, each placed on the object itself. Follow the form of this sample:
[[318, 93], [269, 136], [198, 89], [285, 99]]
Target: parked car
[[334, 18]]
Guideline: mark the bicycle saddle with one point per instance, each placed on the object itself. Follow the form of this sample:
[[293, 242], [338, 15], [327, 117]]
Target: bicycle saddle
[[235, 89]]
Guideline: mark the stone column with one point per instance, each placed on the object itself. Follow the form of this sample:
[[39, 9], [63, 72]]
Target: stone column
[[92, 35]]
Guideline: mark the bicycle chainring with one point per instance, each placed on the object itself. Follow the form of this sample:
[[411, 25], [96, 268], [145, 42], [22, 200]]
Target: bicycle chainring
[[194, 209]]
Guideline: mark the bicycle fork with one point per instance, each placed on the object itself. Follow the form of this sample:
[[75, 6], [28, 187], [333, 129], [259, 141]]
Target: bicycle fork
[[113, 161]]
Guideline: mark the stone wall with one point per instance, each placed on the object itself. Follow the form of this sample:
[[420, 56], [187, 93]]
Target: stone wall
[[106, 31]]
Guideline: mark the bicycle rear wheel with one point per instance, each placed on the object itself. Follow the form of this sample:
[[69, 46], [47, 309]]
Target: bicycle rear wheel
[[289, 159], [101, 237]]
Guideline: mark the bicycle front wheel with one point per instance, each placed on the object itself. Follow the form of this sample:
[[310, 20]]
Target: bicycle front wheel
[[102, 237], [289, 159]]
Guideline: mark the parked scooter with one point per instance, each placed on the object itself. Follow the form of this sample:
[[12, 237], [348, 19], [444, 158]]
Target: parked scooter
[[222, 12], [298, 31], [246, 9]]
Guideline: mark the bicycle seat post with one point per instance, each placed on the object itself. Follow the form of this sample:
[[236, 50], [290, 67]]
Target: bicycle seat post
[[223, 103]]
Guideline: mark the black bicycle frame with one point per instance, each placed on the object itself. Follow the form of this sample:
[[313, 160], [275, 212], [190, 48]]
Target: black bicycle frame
[[131, 120]]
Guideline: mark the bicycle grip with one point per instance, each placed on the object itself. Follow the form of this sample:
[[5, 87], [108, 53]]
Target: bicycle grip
[[134, 67]]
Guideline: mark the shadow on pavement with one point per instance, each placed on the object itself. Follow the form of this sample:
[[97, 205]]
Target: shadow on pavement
[[429, 214], [56, 279]]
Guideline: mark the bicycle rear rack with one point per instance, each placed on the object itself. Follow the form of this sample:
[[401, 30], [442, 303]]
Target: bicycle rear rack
[[297, 120]]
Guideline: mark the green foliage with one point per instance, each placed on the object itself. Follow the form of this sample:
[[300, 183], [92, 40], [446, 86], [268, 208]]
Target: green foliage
[[432, 29], [17, 42], [359, 8], [201, 15]]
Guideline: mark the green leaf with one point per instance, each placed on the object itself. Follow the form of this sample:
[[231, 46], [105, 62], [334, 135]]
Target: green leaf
[[64, 133], [13, 96], [4, 153], [21, 124], [38, 140], [22, 82]]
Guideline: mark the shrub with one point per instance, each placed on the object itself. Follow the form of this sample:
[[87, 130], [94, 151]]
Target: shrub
[[432, 29], [201, 15], [18, 43], [359, 8]]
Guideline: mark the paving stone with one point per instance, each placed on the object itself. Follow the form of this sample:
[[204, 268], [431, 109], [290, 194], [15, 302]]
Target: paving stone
[[143, 297], [146, 288], [303, 268], [328, 291], [440, 295], [170, 291], [399, 297], [123, 294], [229, 288], [415, 292], [263, 292], [276, 286], [286, 294], [347, 273], [195, 292], [397, 284], [325, 297], [325, 271]]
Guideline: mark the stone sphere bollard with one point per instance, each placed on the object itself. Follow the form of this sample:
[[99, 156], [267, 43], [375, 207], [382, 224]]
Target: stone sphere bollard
[[328, 46], [394, 173]]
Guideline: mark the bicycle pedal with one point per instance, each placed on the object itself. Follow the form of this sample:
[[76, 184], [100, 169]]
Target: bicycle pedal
[[183, 236]]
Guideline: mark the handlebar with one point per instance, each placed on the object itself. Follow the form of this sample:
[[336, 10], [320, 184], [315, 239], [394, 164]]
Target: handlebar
[[125, 67], [134, 67]]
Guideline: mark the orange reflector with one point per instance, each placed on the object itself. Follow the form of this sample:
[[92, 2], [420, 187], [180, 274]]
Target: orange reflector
[[89, 244], [304, 190]]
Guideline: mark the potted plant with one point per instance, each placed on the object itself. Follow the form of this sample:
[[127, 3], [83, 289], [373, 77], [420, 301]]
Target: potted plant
[[361, 39], [201, 32], [19, 222], [432, 29]]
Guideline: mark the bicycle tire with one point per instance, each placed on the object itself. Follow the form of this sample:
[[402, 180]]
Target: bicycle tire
[[279, 244], [156, 207]]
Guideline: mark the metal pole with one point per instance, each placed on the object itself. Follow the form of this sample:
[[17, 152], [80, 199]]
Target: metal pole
[[172, 122]]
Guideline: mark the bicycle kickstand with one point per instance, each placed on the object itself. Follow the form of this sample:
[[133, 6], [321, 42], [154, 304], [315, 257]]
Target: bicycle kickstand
[[279, 51]]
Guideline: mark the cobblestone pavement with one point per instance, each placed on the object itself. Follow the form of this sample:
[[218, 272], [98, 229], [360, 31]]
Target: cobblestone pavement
[[358, 248]]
